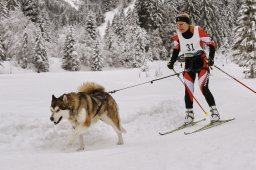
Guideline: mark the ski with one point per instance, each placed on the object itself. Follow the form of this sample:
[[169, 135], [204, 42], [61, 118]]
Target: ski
[[182, 127], [209, 125]]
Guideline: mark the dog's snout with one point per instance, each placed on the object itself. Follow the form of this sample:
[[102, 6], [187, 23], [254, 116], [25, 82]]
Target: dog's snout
[[51, 118]]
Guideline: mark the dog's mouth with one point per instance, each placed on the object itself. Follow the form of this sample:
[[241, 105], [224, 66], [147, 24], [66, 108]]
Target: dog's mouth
[[58, 121]]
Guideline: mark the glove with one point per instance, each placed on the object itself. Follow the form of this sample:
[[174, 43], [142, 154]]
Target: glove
[[170, 65], [210, 62], [198, 53]]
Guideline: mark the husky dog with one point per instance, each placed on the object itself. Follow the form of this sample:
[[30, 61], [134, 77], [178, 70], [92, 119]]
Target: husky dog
[[85, 107]]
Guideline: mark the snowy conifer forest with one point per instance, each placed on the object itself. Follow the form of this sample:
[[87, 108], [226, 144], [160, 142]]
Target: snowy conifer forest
[[34, 31]]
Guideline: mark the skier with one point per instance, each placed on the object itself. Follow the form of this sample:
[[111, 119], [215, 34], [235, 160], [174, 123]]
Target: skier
[[190, 40]]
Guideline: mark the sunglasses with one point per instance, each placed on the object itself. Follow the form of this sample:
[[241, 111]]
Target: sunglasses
[[180, 24]]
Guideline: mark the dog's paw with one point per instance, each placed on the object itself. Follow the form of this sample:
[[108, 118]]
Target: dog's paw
[[80, 149], [120, 143]]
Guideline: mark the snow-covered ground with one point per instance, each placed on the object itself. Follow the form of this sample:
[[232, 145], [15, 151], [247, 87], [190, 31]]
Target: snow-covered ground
[[28, 140]]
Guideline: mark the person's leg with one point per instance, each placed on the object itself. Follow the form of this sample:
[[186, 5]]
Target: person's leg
[[203, 80], [189, 78]]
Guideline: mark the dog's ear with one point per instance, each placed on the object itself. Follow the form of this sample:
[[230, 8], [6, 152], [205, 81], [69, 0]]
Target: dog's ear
[[65, 99], [53, 97]]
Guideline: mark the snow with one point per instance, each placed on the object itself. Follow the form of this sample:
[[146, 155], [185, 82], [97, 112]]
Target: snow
[[28, 140], [109, 16], [73, 3]]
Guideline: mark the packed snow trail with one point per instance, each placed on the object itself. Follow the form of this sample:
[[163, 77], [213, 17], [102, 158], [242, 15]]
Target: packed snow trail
[[28, 140]]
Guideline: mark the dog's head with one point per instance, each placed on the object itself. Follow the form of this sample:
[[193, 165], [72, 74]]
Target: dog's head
[[60, 108]]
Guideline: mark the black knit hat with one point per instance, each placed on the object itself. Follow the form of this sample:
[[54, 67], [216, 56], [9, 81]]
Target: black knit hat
[[183, 18]]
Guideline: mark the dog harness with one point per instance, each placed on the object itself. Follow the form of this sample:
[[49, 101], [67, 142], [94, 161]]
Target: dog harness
[[102, 98]]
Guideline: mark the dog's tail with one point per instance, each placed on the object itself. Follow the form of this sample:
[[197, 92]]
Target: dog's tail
[[90, 87]]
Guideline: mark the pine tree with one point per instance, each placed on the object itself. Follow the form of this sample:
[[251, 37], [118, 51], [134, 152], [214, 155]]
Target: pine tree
[[3, 10], [151, 14], [143, 13], [24, 58], [71, 60], [134, 54], [156, 9], [245, 43], [26, 54], [97, 58], [125, 42], [108, 37], [118, 24], [91, 25], [44, 24], [230, 10], [114, 41], [132, 17], [84, 44], [156, 46], [40, 59], [191, 7], [12, 5], [108, 5], [169, 26], [112, 47], [3, 15], [2, 52], [30, 9], [115, 23], [13, 29], [212, 21]]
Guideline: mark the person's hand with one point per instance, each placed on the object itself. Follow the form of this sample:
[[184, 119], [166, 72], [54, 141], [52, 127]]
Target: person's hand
[[210, 62], [198, 53], [170, 65]]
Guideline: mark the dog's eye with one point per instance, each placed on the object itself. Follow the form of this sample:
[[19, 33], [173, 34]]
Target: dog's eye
[[57, 110]]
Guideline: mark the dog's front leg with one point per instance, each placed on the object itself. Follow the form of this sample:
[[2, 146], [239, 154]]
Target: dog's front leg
[[71, 139], [81, 139], [79, 130]]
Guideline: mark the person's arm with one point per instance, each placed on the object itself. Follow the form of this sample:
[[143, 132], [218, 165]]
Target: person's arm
[[212, 51], [175, 52], [176, 48], [205, 38]]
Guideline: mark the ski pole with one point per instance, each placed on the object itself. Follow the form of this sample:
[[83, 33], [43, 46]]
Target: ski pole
[[151, 81], [206, 113], [234, 78]]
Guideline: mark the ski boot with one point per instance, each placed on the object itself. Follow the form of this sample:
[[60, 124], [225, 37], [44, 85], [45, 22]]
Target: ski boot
[[189, 118], [215, 116]]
